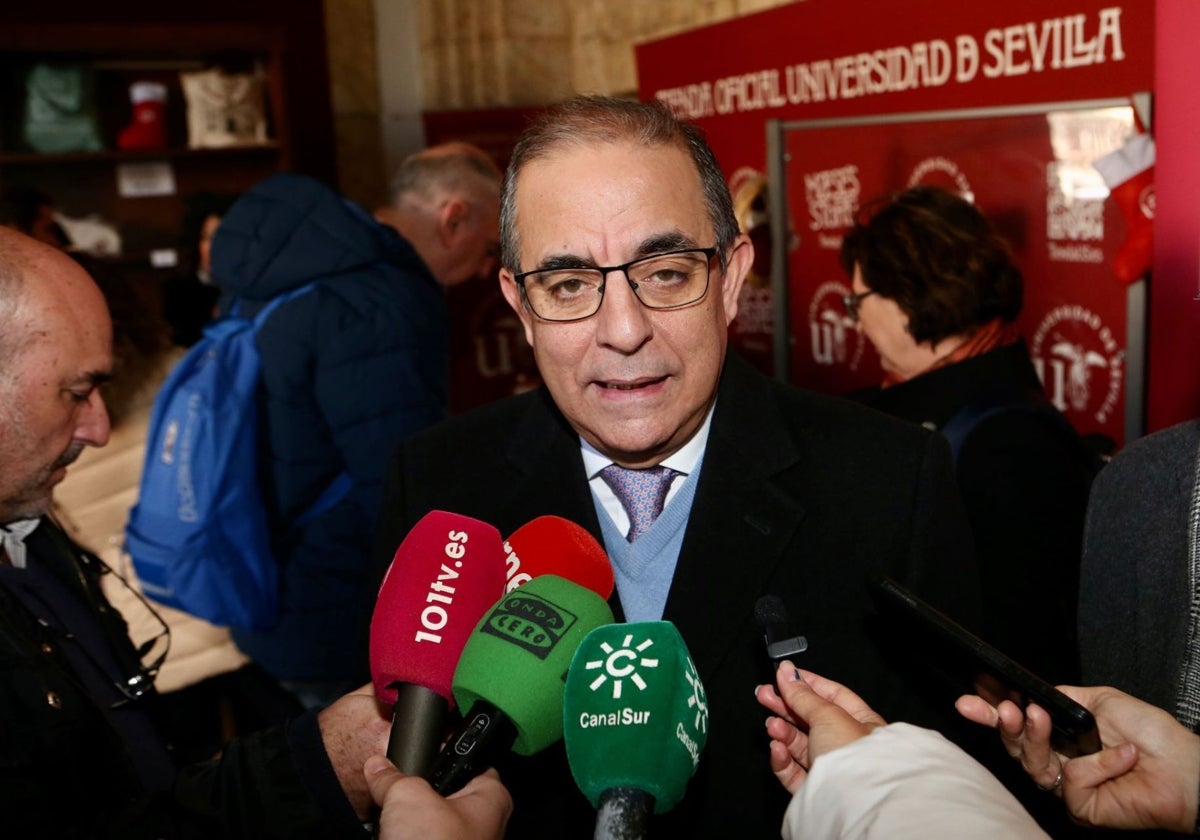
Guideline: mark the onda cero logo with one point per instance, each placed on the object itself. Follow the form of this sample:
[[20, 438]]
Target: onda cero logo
[[529, 621]]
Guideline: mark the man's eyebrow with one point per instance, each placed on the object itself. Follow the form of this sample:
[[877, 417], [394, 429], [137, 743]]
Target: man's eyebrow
[[93, 378], [673, 241]]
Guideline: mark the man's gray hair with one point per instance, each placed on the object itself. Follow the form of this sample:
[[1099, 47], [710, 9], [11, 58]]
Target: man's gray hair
[[585, 120], [448, 167]]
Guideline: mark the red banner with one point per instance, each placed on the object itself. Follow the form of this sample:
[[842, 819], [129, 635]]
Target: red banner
[[804, 62]]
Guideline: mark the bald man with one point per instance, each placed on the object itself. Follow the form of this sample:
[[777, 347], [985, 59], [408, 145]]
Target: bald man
[[80, 752]]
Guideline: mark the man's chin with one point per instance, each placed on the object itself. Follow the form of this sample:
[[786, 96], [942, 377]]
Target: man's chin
[[16, 510]]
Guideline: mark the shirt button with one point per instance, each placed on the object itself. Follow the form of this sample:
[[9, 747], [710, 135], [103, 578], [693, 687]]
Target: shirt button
[[53, 700], [47, 647]]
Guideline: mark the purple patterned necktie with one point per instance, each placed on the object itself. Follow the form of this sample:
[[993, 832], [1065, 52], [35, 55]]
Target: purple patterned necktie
[[641, 493]]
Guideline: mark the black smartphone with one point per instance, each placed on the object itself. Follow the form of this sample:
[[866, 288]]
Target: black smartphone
[[975, 667]]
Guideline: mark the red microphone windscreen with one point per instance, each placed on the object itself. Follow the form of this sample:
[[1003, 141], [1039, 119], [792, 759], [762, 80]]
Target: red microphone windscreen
[[446, 573], [551, 545]]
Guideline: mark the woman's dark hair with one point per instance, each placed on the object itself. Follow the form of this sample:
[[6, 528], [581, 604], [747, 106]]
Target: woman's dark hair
[[937, 256]]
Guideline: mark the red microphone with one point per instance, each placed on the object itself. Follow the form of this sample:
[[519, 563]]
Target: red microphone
[[551, 545], [446, 573]]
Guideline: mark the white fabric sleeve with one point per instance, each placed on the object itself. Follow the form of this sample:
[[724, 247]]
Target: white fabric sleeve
[[902, 781]]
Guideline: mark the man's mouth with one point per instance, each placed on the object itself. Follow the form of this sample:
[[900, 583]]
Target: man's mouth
[[631, 386]]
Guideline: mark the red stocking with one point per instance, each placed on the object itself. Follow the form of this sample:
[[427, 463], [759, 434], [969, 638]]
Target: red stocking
[[1129, 174], [148, 130]]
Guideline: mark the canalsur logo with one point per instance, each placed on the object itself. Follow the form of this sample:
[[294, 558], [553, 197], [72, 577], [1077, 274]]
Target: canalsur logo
[[1079, 361], [835, 341], [699, 699], [620, 664], [529, 621]]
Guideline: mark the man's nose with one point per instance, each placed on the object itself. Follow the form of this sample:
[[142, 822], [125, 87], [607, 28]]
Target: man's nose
[[94, 426], [622, 322]]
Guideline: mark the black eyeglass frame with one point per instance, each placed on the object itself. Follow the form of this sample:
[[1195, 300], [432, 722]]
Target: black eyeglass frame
[[853, 301], [605, 270], [137, 685]]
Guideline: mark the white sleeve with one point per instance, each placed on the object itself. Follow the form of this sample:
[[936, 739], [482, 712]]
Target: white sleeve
[[902, 781]]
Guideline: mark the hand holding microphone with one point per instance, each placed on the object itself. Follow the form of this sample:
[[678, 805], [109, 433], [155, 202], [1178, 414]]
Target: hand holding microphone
[[635, 720], [448, 570]]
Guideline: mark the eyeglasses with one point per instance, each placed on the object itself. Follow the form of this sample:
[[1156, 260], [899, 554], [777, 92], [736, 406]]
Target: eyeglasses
[[852, 302], [661, 281], [151, 639]]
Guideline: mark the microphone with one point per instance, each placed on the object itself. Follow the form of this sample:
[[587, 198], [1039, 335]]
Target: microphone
[[511, 674], [448, 570], [551, 545], [772, 617], [635, 719]]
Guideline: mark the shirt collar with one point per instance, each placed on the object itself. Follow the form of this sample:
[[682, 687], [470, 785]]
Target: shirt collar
[[12, 536]]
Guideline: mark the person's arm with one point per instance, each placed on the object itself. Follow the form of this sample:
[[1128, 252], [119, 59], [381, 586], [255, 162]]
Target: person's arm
[[412, 810], [902, 781], [303, 779], [1148, 776]]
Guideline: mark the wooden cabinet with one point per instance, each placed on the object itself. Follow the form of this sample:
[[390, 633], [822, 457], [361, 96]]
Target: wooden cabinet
[[83, 183]]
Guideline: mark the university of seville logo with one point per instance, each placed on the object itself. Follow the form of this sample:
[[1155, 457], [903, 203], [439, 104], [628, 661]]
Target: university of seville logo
[[835, 341], [1079, 361], [942, 172]]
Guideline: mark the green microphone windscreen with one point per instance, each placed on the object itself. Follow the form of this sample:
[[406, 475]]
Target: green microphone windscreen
[[517, 656], [635, 714]]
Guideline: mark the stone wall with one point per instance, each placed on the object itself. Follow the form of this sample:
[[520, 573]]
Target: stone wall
[[480, 54]]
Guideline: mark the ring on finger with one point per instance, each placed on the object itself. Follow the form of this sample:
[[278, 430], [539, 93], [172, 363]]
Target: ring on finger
[[1058, 782]]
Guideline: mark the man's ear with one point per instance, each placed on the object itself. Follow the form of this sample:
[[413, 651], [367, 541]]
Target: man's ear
[[741, 257], [512, 294], [452, 217]]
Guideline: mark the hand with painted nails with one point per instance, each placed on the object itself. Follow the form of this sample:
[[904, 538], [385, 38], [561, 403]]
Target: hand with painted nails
[[1147, 777], [812, 716], [414, 810]]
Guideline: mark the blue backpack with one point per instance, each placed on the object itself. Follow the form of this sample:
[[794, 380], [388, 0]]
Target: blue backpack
[[198, 534]]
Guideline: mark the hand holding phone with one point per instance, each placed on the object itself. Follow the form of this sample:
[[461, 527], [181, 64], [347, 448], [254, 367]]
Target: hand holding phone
[[973, 666]]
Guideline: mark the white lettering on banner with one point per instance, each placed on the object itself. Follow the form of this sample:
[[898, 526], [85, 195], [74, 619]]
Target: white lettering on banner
[[832, 196], [1060, 43], [1057, 43]]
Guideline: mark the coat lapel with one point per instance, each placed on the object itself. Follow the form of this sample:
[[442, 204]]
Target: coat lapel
[[742, 519]]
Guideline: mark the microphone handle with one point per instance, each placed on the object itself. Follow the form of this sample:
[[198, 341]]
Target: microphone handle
[[623, 814], [485, 735], [418, 721]]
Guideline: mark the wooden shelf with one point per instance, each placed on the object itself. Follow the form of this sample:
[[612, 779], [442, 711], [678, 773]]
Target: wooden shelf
[[121, 156]]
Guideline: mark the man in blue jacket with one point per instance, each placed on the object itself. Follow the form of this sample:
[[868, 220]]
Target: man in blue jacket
[[348, 369]]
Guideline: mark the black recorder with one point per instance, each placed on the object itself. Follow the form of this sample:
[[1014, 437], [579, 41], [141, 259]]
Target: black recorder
[[975, 667]]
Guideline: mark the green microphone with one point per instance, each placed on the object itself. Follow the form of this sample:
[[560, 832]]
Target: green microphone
[[510, 676], [635, 719]]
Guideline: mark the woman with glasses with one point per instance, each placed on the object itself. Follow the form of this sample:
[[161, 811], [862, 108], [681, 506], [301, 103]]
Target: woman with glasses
[[936, 291]]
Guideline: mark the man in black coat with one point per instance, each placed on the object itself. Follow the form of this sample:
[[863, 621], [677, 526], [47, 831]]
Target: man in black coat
[[622, 258], [80, 751]]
